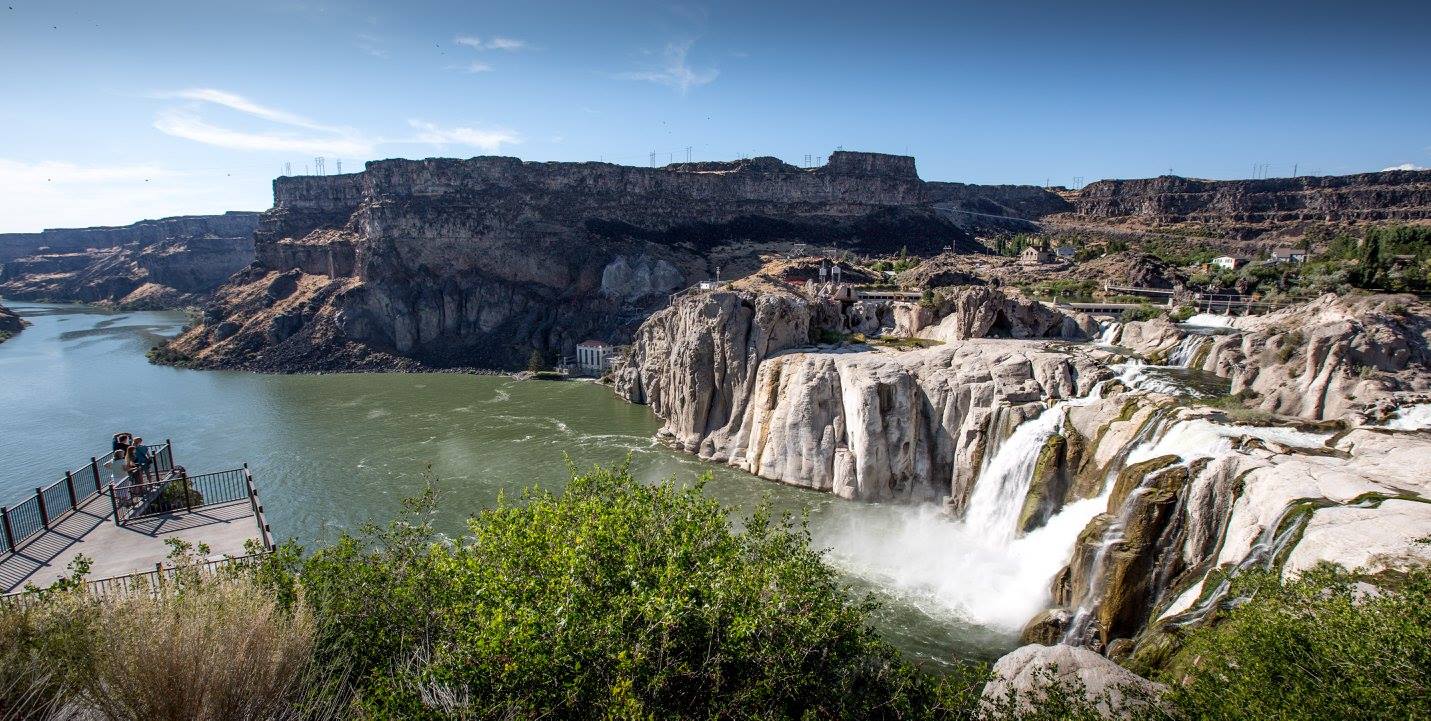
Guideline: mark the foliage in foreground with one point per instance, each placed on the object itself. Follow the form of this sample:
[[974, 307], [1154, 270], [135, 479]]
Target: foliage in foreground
[[1321, 647], [611, 599]]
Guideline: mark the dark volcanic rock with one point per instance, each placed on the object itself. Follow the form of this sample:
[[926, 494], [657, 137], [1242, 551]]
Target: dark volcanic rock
[[151, 264], [10, 324], [475, 263]]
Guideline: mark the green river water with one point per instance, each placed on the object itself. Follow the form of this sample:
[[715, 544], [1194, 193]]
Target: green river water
[[331, 451]]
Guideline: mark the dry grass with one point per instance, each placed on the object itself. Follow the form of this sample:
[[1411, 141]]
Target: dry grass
[[218, 650]]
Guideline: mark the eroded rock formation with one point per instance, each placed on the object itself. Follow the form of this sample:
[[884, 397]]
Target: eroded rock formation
[[10, 324], [475, 263], [164, 263]]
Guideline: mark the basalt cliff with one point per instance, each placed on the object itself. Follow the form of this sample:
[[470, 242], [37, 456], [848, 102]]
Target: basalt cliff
[[10, 323], [1246, 209], [165, 263], [477, 263], [1117, 449]]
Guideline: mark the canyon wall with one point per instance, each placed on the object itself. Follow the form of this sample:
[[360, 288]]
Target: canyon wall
[[163, 263], [1394, 195], [477, 263], [10, 324]]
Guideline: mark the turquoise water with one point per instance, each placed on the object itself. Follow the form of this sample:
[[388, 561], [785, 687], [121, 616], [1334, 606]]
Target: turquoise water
[[331, 451]]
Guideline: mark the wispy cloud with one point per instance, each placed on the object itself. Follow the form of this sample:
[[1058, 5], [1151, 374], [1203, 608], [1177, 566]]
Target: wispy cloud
[[488, 139], [370, 44], [493, 43], [294, 133], [54, 193], [1404, 166], [674, 71], [472, 67]]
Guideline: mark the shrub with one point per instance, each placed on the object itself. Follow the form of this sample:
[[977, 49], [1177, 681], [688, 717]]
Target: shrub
[[611, 599], [1315, 648], [1182, 313], [1144, 311]]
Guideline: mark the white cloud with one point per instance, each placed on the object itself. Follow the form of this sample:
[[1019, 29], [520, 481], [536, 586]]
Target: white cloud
[[495, 43], [370, 44], [674, 71], [1403, 166], [51, 194], [488, 139], [473, 67], [189, 126]]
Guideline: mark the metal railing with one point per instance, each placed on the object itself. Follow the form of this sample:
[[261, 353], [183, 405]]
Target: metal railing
[[142, 583], [178, 491], [49, 504]]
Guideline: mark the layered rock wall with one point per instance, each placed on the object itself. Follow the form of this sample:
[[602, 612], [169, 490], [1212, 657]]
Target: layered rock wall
[[479, 262], [150, 264]]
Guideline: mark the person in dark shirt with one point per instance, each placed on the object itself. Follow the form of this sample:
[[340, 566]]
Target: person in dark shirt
[[140, 455]]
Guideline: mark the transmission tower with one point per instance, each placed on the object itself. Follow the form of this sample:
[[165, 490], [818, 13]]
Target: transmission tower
[[653, 158], [318, 165], [688, 153], [340, 166], [288, 168]]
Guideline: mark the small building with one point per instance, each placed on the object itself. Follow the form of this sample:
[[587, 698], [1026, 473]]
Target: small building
[[1065, 252], [1229, 262], [1035, 255], [593, 356], [1289, 255]]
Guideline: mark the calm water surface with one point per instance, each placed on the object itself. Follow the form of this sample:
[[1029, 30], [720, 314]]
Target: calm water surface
[[332, 451]]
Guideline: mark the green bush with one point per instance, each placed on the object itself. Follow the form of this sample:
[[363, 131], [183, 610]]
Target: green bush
[[609, 600], [1317, 648], [1144, 311]]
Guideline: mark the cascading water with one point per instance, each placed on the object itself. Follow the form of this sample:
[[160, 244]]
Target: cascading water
[[1108, 333], [1187, 350], [1004, 481]]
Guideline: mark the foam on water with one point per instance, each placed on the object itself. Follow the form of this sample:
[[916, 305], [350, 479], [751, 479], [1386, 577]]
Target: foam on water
[[1411, 418], [1209, 320]]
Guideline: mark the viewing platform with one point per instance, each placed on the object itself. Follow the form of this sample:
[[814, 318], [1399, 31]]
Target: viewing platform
[[122, 523]]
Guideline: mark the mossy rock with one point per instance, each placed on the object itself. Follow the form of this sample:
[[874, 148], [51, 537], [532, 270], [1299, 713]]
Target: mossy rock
[[1131, 477], [1046, 488]]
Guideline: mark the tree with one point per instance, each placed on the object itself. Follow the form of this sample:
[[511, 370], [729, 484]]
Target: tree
[[536, 363]]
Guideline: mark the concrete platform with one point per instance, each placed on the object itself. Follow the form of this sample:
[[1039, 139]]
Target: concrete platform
[[118, 550]]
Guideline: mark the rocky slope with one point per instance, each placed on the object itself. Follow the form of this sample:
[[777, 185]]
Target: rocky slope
[[163, 263], [1353, 358], [10, 324], [475, 263]]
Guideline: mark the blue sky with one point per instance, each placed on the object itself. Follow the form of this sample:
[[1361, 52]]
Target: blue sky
[[115, 111]]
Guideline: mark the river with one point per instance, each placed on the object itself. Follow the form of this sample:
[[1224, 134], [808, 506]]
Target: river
[[331, 451]]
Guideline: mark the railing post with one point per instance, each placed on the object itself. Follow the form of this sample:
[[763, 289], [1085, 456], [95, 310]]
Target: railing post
[[188, 501], [94, 466], [169, 451], [44, 512], [114, 503], [70, 484], [9, 533]]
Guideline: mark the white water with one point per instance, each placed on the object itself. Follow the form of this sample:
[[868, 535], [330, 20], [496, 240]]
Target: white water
[[1208, 320], [1183, 355], [946, 568], [1108, 333], [1411, 418], [1004, 481], [1201, 438]]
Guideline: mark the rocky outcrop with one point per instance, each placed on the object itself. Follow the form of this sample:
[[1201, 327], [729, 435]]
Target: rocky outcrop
[[476, 263], [1351, 358], [1395, 195], [163, 263], [10, 323], [737, 378], [1021, 677]]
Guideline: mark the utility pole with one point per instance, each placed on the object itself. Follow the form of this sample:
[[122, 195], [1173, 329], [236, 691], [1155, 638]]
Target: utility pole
[[340, 166], [653, 158], [1294, 170], [688, 153], [318, 168], [288, 168]]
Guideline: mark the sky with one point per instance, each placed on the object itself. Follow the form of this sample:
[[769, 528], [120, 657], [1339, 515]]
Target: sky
[[115, 111]]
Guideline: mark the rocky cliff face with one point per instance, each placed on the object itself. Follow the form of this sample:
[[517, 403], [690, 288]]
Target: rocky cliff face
[[1396, 195], [10, 324], [477, 262], [1059, 448], [151, 264]]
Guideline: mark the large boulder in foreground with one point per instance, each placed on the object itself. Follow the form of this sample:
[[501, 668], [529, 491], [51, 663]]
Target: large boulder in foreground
[[1022, 677]]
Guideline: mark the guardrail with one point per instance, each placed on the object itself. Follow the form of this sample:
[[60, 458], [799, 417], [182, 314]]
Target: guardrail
[[177, 491], [50, 504], [141, 583]]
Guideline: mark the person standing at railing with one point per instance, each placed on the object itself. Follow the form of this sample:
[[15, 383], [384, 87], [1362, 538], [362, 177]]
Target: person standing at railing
[[120, 471], [142, 457]]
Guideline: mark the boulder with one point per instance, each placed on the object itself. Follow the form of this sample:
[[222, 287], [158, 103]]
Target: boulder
[[1022, 676]]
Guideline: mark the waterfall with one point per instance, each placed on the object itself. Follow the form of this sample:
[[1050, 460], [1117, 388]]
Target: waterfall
[[1187, 350], [1108, 332], [1004, 480], [1270, 544]]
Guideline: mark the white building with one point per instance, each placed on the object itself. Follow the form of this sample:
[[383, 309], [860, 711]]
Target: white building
[[1289, 255], [593, 356], [1229, 262]]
